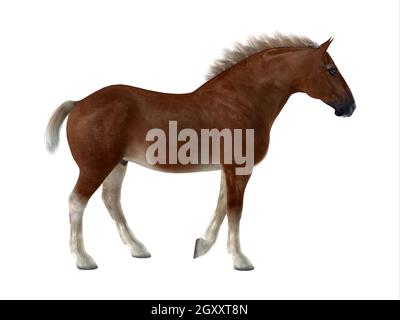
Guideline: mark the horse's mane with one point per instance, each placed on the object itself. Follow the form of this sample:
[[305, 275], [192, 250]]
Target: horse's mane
[[254, 45]]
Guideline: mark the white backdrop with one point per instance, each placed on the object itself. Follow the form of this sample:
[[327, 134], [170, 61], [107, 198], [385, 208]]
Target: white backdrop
[[321, 213]]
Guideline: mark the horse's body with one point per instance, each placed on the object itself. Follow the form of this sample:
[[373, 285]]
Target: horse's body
[[109, 128]]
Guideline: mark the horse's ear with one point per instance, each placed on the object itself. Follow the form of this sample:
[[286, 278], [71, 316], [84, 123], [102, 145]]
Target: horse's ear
[[324, 47]]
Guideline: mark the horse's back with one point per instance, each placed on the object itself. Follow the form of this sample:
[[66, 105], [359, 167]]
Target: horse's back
[[114, 121]]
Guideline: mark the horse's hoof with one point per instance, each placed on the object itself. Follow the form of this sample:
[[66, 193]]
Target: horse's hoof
[[86, 263], [242, 263], [201, 248], [141, 253], [90, 267], [244, 268], [141, 256]]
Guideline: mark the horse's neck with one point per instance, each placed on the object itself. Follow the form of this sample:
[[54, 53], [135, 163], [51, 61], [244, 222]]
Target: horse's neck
[[275, 100], [263, 92]]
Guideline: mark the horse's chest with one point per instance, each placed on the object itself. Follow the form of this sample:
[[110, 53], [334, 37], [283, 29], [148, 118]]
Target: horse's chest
[[261, 144]]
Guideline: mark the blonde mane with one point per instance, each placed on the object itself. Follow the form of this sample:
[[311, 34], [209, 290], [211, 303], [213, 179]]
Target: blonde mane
[[254, 45]]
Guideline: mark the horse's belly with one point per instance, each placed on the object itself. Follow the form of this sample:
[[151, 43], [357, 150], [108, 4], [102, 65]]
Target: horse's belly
[[173, 168]]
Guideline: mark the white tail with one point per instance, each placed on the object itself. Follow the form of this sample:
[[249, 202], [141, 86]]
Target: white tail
[[52, 135]]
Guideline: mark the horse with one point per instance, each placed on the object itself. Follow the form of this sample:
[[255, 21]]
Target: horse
[[245, 89]]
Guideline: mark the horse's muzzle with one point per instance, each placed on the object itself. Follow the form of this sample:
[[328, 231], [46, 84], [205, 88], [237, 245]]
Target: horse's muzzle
[[345, 110]]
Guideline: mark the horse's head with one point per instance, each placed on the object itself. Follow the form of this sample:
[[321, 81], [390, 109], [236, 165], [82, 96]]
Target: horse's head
[[325, 82]]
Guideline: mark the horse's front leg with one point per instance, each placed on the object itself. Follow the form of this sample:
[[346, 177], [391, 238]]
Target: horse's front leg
[[235, 187], [203, 245]]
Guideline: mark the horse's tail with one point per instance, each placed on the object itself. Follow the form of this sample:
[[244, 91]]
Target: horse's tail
[[52, 135]]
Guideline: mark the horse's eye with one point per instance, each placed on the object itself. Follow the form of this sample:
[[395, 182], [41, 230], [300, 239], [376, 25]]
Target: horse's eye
[[332, 70]]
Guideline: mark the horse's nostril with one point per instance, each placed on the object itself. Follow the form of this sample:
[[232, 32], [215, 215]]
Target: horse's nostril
[[339, 112], [352, 108]]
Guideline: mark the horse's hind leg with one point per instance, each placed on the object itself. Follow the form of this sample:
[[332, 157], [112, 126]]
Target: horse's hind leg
[[203, 245], [86, 185], [111, 197]]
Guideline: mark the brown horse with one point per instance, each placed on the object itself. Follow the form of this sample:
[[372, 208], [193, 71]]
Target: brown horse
[[247, 90]]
